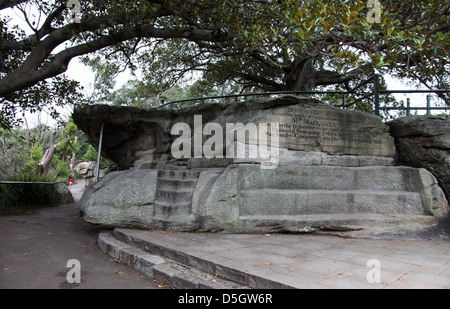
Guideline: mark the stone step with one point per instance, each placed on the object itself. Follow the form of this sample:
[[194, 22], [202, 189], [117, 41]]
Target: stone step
[[174, 196], [180, 223], [202, 261], [164, 270], [385, 178], [179, 174], [132, 256], [177, 183], [348, 225], [315, 202], [168, 209]]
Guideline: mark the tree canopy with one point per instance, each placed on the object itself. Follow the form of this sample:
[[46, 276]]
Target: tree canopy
[[301, 45], [256, 44]]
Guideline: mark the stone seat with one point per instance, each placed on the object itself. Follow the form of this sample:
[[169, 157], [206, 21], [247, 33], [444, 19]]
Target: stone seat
[[309, 202]]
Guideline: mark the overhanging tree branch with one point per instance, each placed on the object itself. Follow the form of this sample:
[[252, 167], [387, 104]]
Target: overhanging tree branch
[[4, 4], [29, 73], [296, 45]]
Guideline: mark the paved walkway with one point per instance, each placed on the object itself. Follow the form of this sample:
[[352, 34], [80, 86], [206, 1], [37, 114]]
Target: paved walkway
[[36, 246], [305, 261], [77, 190]]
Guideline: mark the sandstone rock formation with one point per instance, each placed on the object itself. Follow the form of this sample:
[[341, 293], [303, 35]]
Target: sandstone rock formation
[[135, 137], [335, 170], [424, 141], [65, 196], [87, 171], [244, 198]]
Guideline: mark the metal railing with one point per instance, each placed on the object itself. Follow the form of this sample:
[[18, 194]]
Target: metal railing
[[408, 108], [22, 195], [203, 100], [29, 183], [373, 95]]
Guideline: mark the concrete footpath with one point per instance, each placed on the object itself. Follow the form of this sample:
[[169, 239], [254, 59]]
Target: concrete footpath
[[35, 248], [282, 261]]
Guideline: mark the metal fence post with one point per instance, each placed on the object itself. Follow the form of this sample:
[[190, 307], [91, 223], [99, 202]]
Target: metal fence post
[[97, 168], [408, 107], [376, 90], [428, 105]]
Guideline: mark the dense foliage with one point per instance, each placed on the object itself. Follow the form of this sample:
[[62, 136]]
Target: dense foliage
[[258, 44], [21, 150], [15, 197]]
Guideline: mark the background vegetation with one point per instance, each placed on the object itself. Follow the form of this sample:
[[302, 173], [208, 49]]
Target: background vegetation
[[21, 151], [15, 197]]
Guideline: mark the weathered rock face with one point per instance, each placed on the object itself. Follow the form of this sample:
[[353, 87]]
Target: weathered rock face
[[244, 198], [424, 141], [134, 137], [320, 127], [335, 170], [130, 134], [65, 194], [87, 171]]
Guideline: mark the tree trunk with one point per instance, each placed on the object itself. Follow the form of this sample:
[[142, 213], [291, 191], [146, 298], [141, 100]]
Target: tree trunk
[[72, 162], [300, 76], [43, 164]]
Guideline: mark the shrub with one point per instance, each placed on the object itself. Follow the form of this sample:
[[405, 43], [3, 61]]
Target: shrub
[[23, 196]]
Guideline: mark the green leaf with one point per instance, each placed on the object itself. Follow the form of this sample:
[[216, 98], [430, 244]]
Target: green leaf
[[389, 31], [301, 34]]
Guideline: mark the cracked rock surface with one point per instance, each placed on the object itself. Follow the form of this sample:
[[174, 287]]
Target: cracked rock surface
[[424, 141]]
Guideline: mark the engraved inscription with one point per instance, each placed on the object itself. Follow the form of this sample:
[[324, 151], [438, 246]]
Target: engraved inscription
[[331, 130]]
